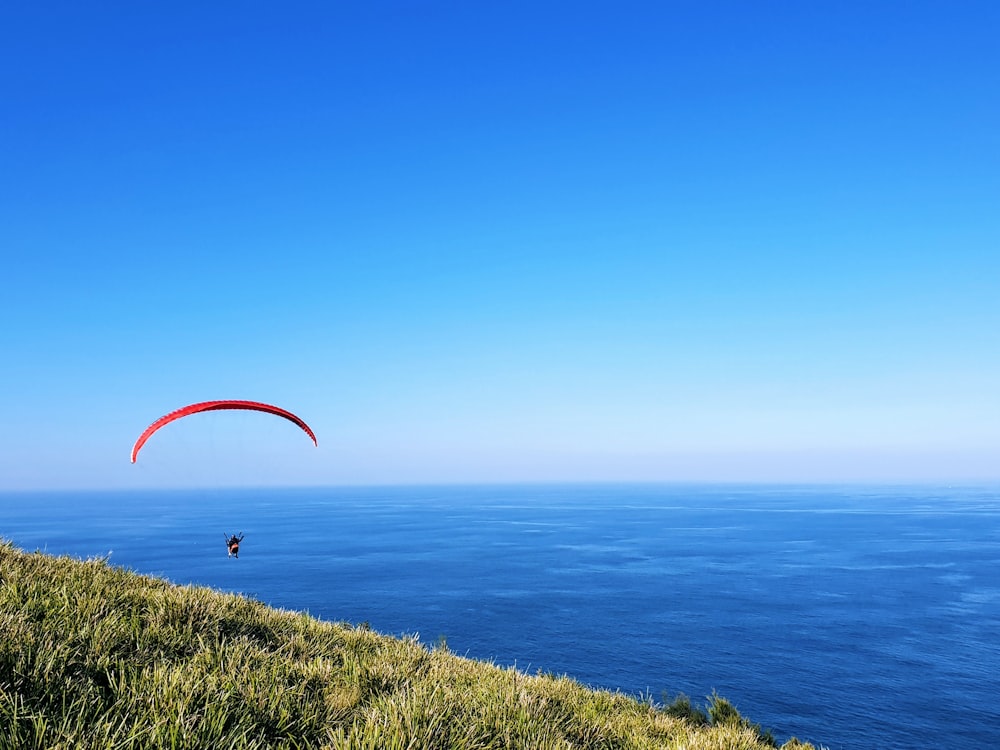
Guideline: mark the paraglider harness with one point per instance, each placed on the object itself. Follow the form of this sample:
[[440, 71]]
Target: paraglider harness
[[233, 544]]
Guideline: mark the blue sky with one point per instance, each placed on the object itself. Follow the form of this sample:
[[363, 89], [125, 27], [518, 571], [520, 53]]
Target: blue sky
[[715, 241]]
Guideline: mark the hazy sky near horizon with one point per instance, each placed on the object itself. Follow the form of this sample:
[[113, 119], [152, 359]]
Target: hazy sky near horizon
[[500, 241]]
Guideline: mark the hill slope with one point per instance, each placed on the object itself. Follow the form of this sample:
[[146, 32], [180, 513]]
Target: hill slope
[[94, 656]]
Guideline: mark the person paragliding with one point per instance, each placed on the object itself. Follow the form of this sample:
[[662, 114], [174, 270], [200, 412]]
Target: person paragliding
[[232, 541], [233, 544]]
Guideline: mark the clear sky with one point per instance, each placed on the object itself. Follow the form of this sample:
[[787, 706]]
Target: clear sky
[[500, 241]]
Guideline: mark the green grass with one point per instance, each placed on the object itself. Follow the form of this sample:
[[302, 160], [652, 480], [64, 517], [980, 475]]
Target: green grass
[[93, 656]]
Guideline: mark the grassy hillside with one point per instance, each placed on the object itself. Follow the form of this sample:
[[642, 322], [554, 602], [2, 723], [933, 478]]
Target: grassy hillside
[[93, 656]]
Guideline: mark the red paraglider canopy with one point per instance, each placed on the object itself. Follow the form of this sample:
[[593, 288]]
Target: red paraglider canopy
[[213, 406]]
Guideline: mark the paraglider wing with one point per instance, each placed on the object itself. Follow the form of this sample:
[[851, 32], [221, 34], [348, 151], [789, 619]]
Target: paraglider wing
[[214, 406]]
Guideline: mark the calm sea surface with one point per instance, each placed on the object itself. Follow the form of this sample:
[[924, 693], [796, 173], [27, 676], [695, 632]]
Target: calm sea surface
[[851, 617]]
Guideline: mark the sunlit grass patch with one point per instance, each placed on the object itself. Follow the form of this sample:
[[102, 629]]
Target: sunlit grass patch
[[99, 657]]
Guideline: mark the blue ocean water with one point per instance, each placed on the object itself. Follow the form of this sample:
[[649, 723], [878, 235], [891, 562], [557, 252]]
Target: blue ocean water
[[853, 617]]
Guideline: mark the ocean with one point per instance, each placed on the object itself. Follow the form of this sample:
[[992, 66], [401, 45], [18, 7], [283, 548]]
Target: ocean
[[851, 617]]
